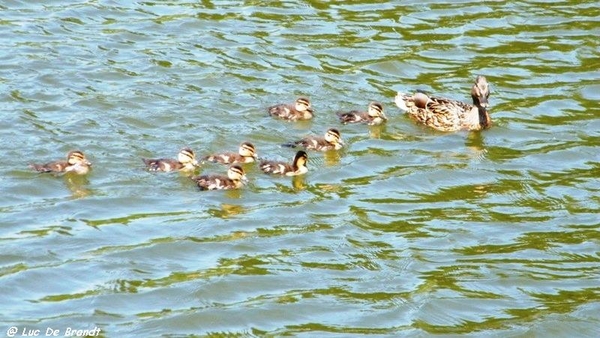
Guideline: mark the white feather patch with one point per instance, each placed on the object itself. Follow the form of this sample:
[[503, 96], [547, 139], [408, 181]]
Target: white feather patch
[[399, 100]]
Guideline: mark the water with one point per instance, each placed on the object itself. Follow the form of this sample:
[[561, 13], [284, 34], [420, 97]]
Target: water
[[406, 232]]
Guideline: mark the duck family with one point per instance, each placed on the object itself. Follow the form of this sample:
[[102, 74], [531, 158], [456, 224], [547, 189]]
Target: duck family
[[436, 112]]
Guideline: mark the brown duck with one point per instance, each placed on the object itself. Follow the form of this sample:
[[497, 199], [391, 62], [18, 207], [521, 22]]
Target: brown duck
[[76, 162], [299, 110], [245, 154], [298, 167], [332, 140], [446, 114], [236, 177], [186, 160], [373, 116]]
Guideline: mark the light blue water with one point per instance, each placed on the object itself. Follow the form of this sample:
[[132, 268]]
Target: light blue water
[[406, 232]]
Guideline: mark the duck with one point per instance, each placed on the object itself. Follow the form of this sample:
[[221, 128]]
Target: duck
[[445, 114], [75, 163], [235, 179], [373, 116], [297, 167], [299, 110], [246, 154], [331, 141], [186, 160]]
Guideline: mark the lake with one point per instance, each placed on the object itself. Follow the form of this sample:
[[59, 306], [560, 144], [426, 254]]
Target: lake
[[406, 231]]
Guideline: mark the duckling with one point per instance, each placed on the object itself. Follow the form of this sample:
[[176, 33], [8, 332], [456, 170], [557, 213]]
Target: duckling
[[373, 116], [446, 114], [331, 141], [299, 110], [186, 160], [298, 167], [246, 154], [236, 177], [76, 163]]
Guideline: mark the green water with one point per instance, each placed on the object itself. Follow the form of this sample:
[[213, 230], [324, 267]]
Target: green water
[[405, 232]]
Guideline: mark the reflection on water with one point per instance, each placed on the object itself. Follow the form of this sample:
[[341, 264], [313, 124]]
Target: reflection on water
[[299, 182], [290, 185], [376, 131], [405, 231], [78, 185], [228, 210], [475, 143], [332, 158]]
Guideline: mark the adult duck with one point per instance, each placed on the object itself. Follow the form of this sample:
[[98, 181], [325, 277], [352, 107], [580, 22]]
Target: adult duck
[[446, 114]]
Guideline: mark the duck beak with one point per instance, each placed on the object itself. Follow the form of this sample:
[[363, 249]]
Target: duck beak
[[195, 163], [483, 101], [244, 179], [480, 97], [88, 163]]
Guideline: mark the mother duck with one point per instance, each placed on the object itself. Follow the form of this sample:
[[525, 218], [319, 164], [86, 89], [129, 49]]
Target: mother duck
[[446, 114]]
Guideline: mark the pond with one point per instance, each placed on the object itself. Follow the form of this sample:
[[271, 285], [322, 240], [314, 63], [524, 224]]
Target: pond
[[406, 231]]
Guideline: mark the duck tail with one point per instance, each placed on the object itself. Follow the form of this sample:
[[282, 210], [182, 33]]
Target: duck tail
[[399, 100], [37, 167], [290, 145], [344, 117]]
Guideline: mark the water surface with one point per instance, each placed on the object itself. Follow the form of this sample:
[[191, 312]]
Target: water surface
[[406, 232]]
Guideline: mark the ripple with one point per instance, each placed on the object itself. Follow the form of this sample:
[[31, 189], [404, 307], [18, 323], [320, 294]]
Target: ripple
[[406, 231]]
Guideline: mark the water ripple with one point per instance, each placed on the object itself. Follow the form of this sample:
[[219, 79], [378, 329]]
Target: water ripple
[[407, 231]]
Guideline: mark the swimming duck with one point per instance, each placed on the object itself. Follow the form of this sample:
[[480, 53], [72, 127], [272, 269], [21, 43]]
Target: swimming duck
[[236, 177], [186, 160], [331, 141], [446, 114], [298, 167], [76, 162], [299, 110], [246, 154], [373, 116]]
